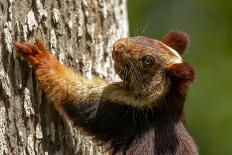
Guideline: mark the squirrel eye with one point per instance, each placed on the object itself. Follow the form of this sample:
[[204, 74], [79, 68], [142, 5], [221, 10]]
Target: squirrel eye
[[148, 60]]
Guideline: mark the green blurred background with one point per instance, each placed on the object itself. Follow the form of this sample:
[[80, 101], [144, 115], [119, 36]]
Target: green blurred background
[[209, 25]]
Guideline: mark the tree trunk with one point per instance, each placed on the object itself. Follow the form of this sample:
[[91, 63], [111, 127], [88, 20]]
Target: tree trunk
[[80, 33]]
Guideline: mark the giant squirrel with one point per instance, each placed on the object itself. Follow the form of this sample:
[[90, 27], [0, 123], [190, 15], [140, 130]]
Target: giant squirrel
[[142, 114]]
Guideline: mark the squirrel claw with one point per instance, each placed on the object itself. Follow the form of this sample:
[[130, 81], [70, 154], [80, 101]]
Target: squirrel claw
[[23, 48], [32, 53], [40, 44]]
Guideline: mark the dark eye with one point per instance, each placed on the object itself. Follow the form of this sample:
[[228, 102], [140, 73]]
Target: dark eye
[[148, 60]]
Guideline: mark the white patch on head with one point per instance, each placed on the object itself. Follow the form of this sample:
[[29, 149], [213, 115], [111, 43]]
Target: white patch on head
[[178, 57]]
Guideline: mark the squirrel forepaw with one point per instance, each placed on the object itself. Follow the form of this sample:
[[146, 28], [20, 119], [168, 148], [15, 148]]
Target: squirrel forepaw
[[35, 53]]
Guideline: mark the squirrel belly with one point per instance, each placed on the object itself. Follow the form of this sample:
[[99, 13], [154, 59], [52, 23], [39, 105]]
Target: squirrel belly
[[142, 114]]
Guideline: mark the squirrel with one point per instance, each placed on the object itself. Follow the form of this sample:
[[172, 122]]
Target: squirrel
[[143, 113]]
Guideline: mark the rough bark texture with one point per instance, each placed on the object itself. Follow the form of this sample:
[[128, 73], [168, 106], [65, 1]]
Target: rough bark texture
[[80, 33]]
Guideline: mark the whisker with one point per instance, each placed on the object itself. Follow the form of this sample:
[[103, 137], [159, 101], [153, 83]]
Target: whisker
[[137, 30], [145, 28], [126, 70], [134, 75], [137, 72]]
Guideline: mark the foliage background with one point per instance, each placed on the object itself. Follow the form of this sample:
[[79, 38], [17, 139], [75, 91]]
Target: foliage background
[[209, 25]]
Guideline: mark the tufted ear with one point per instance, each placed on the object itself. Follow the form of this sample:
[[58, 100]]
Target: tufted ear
[[177, 40], [183, 71]]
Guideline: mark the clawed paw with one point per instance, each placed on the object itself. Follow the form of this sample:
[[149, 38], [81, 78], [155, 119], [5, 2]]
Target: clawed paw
[[33, 53]]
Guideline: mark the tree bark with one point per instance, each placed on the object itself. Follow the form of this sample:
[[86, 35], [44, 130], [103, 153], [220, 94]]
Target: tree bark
[[81, 34]]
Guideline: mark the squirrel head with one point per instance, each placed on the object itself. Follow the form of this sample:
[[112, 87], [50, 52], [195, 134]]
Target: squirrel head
[[141, 60]]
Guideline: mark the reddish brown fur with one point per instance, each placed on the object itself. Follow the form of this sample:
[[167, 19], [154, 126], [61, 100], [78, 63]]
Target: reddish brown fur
[[178, 40], [36, 53], [183, 71], [44, 63]]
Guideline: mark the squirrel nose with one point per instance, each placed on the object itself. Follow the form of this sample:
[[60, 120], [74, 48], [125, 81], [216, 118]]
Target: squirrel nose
[[118, 48]]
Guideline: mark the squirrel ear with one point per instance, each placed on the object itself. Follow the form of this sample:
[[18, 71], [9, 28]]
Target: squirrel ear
[[177, 40], [182, 70]]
